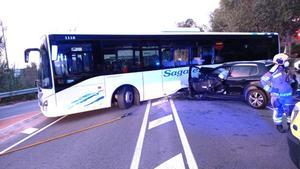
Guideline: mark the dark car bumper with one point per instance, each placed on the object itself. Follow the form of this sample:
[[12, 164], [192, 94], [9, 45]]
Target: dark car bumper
[[294, 148]]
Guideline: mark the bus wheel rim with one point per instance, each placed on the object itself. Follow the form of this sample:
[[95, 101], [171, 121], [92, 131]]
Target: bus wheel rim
[[128, 97]]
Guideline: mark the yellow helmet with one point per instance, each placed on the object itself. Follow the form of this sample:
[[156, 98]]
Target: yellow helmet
[[280, 58]]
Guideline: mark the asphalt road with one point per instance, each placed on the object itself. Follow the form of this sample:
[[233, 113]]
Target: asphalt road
[[158, 134], [19, 109]]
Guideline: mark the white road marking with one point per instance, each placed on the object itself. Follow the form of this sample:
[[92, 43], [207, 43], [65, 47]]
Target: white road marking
[[139, 145], [185, 143], [160, 121], [29, 130], [28, 137], [161, 101], [173, 163]]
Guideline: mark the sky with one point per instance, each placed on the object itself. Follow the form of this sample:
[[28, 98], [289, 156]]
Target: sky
[[26, 21]]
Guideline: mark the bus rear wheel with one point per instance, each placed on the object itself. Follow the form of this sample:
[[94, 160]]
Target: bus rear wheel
[[125, 97]]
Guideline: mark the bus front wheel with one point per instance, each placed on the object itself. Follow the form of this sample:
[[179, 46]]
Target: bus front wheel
[[125, 97]]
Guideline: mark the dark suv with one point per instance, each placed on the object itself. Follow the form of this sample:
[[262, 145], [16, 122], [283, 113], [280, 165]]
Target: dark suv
[[234, 79]]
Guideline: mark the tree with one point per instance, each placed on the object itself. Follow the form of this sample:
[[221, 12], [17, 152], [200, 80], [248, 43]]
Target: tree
[[189, 23], [279, 16], [28, 76], [218, 21], [234, 16], [258, 16]]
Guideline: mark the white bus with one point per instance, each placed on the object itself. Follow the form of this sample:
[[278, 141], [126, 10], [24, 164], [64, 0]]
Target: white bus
[[84, 72]]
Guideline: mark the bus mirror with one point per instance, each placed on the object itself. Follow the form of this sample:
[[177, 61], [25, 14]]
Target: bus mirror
[[27, 53], [54, 52]]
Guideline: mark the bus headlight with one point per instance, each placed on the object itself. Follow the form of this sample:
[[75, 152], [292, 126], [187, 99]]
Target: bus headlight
[[45, 105]]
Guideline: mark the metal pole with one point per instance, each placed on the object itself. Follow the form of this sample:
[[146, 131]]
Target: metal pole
[[4, 43]]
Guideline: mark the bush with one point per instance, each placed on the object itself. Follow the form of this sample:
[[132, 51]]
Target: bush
[[12, 79], [15, 79]]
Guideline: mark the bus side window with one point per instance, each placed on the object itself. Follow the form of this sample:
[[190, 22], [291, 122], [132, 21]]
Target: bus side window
[[137, 64], [208, 54], [109, 63], [167, 58], [125, 56], [181, 57], [196, 56], [116, 65], [151, 59]]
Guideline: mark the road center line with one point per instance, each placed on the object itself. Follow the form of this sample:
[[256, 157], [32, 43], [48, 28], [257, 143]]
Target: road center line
[[139, 145], [160, 121], [186, 146], [28, 137]]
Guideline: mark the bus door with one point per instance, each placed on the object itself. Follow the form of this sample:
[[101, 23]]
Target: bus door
[[77, 87]]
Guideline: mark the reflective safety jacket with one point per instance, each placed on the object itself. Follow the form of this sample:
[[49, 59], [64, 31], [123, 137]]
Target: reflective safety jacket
[[277, 82]]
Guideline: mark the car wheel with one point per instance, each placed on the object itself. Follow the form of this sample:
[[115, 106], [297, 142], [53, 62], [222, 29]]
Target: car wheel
[[125, 97], [257, 99]]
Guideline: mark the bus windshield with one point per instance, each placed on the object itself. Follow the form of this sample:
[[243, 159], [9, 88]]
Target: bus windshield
[[44, 71]]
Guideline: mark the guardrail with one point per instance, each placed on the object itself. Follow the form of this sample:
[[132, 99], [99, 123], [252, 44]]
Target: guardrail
[[18, 92]]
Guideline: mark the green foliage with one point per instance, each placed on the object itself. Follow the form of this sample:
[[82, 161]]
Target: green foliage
[[234, 16], [10, 80], [278, 16], [256, 15]]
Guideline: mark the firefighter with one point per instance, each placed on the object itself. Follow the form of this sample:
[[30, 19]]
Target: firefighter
[[276, 82]]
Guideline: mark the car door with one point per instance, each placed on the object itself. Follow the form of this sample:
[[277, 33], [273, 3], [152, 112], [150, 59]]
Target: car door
[[218, 78], [239, 77], [198, 79]]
